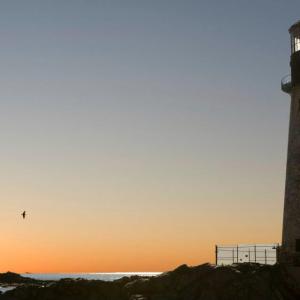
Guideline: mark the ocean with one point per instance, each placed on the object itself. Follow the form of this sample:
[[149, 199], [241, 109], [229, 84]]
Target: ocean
[[89, 276], [6, 288]]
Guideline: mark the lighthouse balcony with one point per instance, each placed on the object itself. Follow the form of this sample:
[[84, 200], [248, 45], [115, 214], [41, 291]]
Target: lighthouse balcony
[[286, 84]]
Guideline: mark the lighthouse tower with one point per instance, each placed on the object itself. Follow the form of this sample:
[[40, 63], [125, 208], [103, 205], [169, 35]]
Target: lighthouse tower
[[290, 250]]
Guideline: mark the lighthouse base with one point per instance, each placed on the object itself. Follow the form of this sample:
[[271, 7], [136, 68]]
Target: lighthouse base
[[289, 258]]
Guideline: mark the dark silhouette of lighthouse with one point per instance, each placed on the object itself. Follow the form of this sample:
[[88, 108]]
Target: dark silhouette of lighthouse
[[290, 250]]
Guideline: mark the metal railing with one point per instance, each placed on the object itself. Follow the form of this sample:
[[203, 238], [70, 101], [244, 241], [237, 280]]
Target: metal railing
[[256, 253], [286, 84]]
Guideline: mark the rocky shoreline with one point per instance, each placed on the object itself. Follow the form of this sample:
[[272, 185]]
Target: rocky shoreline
[[204, 282]]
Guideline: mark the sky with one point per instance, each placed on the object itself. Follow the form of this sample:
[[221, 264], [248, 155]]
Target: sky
[[138, 134]]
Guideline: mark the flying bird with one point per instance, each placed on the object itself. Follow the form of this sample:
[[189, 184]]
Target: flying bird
[[23, 214]]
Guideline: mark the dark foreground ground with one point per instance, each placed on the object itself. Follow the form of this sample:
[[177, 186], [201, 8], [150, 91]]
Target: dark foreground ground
[[205, 282]]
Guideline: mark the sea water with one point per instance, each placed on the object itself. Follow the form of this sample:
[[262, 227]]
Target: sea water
[[89, 276], [6, 288]]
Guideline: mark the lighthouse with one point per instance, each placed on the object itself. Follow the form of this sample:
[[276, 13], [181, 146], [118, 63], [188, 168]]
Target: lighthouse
[[290, 250]]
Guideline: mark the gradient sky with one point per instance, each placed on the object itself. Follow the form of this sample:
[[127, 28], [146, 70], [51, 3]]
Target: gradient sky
[[138, 134]]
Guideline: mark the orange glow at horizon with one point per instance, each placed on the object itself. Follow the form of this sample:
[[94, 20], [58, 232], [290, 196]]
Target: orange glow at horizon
[[158, 241]]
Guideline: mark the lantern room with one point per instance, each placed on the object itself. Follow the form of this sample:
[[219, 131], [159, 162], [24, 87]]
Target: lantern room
[[295, 37], [295, 54]]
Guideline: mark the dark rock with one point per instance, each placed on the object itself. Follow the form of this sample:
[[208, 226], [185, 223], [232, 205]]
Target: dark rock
[[205, 282], [11, 277]]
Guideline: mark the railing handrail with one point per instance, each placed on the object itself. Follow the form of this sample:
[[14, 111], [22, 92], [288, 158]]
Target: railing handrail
[[246, 245]]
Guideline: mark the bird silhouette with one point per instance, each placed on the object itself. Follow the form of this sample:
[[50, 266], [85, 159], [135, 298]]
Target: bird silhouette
[[23, 214]]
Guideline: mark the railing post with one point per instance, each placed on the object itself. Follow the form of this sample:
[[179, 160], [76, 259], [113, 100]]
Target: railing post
[[255, 253], [237, 253], [216, 250], [265, 256]]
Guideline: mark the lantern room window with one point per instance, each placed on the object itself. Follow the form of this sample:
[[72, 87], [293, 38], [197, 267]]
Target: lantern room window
[[295, 44]]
